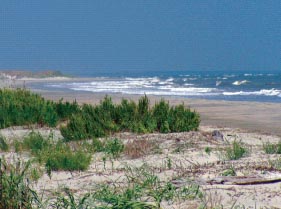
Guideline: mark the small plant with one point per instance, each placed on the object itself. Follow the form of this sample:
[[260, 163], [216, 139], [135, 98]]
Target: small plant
[[169, 163], [4, 146], [235, 151], [114, 147], [35, 142], [271, 148], [97, 145], [208, 150], [229, 172], [66, 199], [63, 158], [15, 188]]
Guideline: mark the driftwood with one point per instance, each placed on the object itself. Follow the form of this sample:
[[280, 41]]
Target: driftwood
[[242, 180]]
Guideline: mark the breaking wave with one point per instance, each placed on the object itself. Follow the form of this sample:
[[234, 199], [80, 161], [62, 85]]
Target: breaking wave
[[238, 83], [262, 92]]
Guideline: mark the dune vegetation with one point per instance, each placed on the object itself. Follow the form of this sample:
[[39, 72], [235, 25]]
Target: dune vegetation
[[80, 127]]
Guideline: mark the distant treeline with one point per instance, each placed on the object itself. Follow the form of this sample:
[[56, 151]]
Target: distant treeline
[[21, 107]]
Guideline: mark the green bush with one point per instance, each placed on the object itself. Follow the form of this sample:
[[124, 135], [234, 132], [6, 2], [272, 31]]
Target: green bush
[[66, 109], [56, 155], [35, 142], [114, 147], [107, 118], [63, 158], [21, 107]]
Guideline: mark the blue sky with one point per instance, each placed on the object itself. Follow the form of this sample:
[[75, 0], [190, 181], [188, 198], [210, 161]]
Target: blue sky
[[104, 35]]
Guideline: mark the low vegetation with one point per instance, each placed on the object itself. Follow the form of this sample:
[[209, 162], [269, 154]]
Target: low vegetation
[[21, 107], [55, 155], [107, 118], [235, 151], [272, 148], [4, 146], [142, 190], [15, 188]]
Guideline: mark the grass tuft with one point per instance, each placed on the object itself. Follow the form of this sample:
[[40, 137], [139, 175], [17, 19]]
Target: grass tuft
[[4, 146], [272, 148], [235, 151]]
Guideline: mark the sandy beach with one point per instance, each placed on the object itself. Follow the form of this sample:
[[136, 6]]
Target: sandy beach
[[251, 123]]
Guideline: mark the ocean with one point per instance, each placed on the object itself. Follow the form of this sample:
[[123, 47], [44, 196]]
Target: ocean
[[218, 85]]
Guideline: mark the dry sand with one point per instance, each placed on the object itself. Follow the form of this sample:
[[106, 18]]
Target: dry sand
[[188, 161]]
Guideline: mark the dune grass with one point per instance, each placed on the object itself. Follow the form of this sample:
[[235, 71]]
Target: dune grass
[[272, 148], [22, 107], [142, 190], [107, 118], [55, 155], [235, 151]]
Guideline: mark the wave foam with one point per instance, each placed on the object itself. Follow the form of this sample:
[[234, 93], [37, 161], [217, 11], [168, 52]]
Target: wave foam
[[262, 92], [238, 83]]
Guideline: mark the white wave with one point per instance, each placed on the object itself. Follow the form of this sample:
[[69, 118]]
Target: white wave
[[152, 86], [262, 92], [238, 83], [248, 74], [170, 80], [218, 83]]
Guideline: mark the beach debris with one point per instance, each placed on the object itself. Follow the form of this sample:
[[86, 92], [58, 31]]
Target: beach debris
[[217, 135], [242, 180]]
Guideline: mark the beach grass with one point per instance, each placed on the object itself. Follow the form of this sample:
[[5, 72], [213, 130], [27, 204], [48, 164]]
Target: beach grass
[[107, 118]]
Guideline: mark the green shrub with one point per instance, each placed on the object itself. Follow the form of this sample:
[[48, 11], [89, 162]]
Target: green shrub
[[63, 158], [21, 107], [235, 151], [97, 145], [4, 146], [35, 142], [114, 147], [161, 114], [107, 118], [75, 129], [66, 109]]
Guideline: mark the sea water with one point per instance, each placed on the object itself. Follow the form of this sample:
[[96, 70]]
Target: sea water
[[239, 86]]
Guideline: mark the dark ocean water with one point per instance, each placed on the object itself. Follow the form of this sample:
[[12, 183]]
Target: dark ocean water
[[238, 86]]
